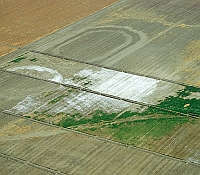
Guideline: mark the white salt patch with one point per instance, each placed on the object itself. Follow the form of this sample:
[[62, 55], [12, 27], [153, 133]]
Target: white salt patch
[[57, 76], [192, 160], [119, 84], [27, 105], [86, 102], [193, 95]]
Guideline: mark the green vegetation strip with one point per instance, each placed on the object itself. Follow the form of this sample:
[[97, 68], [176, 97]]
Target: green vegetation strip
[[182, 102], [149, 111], [78, 119], [18, 59], [133, 132], [57, 99], [132, 127], [33, 59]]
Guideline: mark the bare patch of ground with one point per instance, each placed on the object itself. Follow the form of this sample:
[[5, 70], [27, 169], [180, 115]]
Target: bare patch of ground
[[18, 129]]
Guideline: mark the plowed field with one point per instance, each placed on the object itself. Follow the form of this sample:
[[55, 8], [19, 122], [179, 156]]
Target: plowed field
[[24, 21]]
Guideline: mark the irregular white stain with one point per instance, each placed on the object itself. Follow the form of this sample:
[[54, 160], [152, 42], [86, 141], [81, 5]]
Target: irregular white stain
[[27, 105], [119, 84], [85, 102], [57, 76]]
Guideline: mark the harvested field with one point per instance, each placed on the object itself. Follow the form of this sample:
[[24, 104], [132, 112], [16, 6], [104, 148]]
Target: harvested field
[[120, 84], [24, 21]]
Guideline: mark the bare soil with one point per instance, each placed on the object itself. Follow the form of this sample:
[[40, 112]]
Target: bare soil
[[23, 21], [5, 50]]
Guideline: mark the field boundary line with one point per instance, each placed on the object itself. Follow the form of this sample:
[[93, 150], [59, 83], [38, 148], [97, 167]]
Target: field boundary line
[[25, 162], [105, 140], [114, 69], [100, 93], [10, 45]]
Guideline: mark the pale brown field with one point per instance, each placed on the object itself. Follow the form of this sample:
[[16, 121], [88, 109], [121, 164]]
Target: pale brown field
[[5, 50], [24, 21]]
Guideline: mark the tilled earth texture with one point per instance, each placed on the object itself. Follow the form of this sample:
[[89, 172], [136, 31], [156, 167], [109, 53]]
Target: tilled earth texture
[[117, 92], [24, 21]]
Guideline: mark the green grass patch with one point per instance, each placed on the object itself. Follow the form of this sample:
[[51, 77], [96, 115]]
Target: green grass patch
[[132, 132], [35, 118], [36, 112], [100, 115], [67, 122], [181, 103], [57, 99], [18, 59], [128, 114], [70, 90], [75, 116], [76, 119], [154, 128], [33, 59], [149, 111]]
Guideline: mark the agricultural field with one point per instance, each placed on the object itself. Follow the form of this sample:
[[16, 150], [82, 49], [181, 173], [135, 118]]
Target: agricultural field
[[121, 84], [23, 22], [124, 40], [5, 50]]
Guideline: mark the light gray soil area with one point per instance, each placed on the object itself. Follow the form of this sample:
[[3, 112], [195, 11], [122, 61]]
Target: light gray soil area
[[65, 98]]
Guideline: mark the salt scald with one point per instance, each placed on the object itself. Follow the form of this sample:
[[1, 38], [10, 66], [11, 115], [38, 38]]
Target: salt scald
[[57, 76], [120, 84], [106, 81], [27, 105], [83, 102], [86, 102]]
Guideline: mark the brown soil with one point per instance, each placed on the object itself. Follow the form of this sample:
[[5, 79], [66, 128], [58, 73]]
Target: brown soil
[[23, 21], [5, 50]]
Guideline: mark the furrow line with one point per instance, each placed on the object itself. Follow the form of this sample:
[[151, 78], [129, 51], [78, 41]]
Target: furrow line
[[9, 45]]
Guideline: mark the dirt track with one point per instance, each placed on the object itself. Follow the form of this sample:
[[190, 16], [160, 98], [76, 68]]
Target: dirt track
[[24, 21]]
